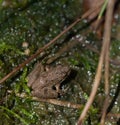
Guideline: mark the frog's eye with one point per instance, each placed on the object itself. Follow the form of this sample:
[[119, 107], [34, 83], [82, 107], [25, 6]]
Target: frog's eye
[[54, 87]]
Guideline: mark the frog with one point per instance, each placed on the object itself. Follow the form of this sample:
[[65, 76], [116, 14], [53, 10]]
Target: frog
[[45, 82]]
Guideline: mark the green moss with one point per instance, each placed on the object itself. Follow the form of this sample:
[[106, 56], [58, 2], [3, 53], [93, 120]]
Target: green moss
[[36, 23]]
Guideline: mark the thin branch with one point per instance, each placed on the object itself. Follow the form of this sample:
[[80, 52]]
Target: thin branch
[[61, 103], [16, 69], [107, 36], [93, 12], [95, 85], [98, 75], [52, 101]]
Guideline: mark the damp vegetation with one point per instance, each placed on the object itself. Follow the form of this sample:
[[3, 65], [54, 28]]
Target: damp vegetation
[[28, 25]]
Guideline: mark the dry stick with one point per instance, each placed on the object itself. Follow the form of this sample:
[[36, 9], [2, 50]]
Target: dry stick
[[16, 69], [52, 101], [96, 80], [115, 62], [95, 85], [61, 103], [38, 52], [107, 35], [92, 10]]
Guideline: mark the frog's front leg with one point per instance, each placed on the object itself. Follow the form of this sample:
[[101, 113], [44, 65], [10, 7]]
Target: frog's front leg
[[46, 92], [59, 90]]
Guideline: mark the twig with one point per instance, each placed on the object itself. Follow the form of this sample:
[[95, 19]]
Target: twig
[[107, 36], [52, 101], [96, 80], [16, 69], [93, 12], [61, 51], [38, 52], [60, 103], [95, 86]]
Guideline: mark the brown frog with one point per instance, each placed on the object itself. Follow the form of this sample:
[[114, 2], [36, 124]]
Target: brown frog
[[46, 83]]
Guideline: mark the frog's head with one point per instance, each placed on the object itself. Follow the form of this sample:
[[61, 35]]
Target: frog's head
[[63, 70]]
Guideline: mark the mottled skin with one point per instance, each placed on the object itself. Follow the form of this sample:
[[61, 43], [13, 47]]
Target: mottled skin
[[42, 81]]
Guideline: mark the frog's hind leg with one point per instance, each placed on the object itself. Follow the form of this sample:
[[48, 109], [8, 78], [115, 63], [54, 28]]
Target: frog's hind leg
[[45, 93]]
